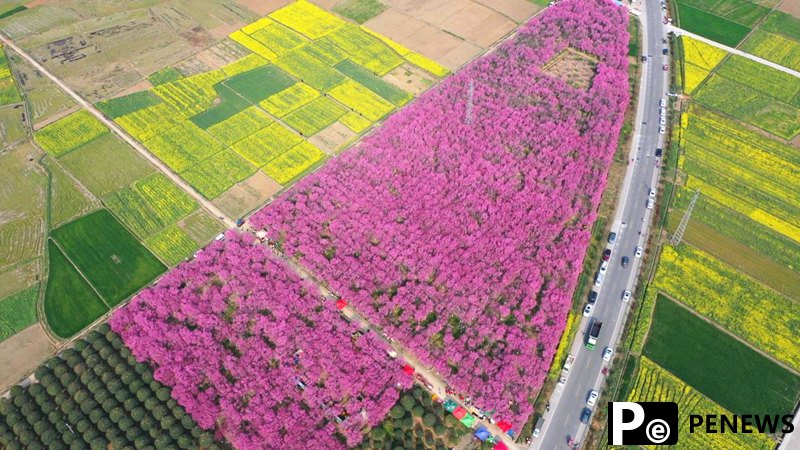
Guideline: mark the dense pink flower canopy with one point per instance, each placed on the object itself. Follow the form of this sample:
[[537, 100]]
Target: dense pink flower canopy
[[461, 230], [234, 331]]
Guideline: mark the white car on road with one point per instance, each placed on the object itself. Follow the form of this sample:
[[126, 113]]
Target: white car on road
[[599, 280], [603, 266], [592, 397], [638, 252], [652, 193], [626, 295], [650, 203], [661, 130], [607, 353], [587, 311]]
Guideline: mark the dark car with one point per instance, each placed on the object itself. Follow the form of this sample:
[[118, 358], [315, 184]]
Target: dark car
[[658, 152], [625, 261], [612, 237], [585, 415], [592, 297], [665, 52], [607, 254]]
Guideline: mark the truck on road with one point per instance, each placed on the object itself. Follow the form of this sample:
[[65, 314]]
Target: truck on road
[[594, 333]]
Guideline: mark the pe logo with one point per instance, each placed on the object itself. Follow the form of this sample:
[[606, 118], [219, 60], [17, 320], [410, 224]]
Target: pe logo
[[642, 423]]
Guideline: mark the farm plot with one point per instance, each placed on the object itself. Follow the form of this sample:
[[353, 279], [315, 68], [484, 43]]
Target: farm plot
[[779, 22], [70, 303], [738, 303], [749, 105], [307, 67], [697, 352], [108, 255], [402, 224], [654, 384], [106, 164], [236, 303], [23, 201], [265, 145], [9, 94], [780, 85], [743, 12], [700, 58], [171, 244], [741, 183], [18, 311], [775, 48], [69, 133], [216, 174], [709, 25]]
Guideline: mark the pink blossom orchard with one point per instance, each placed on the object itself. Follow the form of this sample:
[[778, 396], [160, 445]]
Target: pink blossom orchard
[[235, 332], [461, 230]]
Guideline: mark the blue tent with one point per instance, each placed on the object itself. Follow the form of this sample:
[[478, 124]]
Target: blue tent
[[482, 433]]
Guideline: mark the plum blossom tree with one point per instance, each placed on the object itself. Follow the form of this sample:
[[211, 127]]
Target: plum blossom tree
[[251, 350], [463, 239]]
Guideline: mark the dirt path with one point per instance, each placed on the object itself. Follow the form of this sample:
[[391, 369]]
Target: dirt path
[[205, 203]]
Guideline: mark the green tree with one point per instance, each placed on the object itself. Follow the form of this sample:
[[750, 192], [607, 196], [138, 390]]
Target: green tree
[[408, 402], [418, 411], [377, 434], [397, 412]]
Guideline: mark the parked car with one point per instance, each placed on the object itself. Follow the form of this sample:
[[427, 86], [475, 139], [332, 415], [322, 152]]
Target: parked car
[[625, 261], [607, 254], [592, 297], [598, 281], [663, 103], [661, 130], [586, 414], [587, 311], [658, 152], [665, 67], [665, 51], [592, 399], [662, 120], [638, 252], [662, 112], [603, 266], [607, 353], [626, 295], [650, 203], [612, 237], [652, 193]]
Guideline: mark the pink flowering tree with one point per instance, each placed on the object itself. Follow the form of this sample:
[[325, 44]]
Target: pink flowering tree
[[252, 351], [460, 227]]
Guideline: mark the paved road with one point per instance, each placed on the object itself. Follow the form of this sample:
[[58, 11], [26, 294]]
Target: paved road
[[755, 58], [204, 202], [562, 421]]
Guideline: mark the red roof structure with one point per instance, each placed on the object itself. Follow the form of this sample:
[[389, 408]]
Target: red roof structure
[[500, 446], [408, 369], [341, 304], [459, 413], [503, 425]]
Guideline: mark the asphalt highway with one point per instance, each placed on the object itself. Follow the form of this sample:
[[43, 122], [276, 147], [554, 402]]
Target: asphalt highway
[[631, 223]]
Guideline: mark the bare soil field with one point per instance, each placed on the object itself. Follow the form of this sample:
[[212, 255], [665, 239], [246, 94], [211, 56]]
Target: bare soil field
[[101, 48], [334, 138], [264, 7], [247, 195], [21, 353], [573, 67], [450, 31], [790, 7]]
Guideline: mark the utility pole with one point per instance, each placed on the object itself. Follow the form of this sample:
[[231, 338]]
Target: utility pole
[[470, 93], [678, 236]]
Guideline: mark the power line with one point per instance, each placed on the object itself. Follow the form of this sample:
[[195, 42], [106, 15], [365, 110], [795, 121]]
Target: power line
[[678, 236]]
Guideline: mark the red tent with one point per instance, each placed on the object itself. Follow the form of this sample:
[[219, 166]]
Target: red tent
[[459, 413], [500, 446], [408, 369], [503, 425], [341, 304]]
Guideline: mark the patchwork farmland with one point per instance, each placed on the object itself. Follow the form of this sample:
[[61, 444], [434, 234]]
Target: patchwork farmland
[[724, 299]]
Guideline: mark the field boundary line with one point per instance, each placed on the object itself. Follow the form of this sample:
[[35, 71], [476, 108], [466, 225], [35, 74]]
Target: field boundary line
[[116, 129], [681, 32], [719, 327], [61, 249]]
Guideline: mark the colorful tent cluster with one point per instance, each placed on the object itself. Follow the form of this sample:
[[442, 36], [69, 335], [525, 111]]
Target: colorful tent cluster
[[469, 420]]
